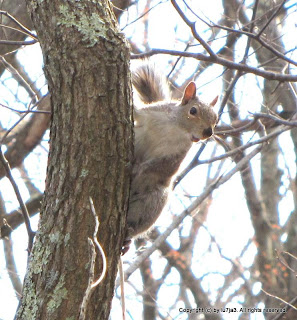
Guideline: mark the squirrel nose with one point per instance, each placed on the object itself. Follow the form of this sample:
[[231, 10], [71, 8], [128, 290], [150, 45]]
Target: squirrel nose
[[207, 132]]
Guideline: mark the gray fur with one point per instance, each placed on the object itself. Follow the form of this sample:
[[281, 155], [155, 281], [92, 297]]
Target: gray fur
[[164, 132]]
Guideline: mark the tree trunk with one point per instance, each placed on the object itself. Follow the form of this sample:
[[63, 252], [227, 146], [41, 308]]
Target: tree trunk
[[86, 61]]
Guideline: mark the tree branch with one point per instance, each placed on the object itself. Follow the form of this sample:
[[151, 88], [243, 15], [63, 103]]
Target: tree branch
[[221, 61], [20, 200]]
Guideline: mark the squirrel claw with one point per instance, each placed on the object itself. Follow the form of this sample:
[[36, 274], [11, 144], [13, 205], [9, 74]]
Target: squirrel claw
[[125, 246]]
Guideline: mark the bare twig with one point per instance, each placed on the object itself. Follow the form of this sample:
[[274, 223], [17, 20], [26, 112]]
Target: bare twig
[[251, 27], [14, 218], [280, 315], [20, 200], [11, 267], [17, 43], [24, 111], [193, 207], [12, 127], [261, 41], [146, 12], [280, 299], [24, 115], [19, 78], [290, 254], [228, 92], [195, 162], [8, 253], [193, 29], [221, 61], [271, 18], [247, 145], [250, 35], [22, 28], [283, 261]]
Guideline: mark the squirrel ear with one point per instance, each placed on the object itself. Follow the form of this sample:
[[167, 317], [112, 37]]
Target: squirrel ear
[[190, 93], [214, 101]]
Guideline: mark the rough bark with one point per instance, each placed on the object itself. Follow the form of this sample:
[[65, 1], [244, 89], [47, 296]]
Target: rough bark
[[86, 64]]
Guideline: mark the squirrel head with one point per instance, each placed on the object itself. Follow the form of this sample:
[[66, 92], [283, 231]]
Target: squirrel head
[[198, 118]]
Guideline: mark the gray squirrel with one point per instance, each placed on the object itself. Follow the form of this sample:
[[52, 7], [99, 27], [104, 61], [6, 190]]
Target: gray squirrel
[[164, 132]]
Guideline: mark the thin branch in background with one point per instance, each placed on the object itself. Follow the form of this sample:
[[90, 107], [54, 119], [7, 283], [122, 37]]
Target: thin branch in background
[[269, 75], [192, 208], [23, 111], [193, 29], [12, 127], [271, 18], [249, 34], [11, 267], [33, 84], [190, 166], [32, 189], [18, 30], [17, 43], [247, 124], [245, 146], [9, 254], [195, 162], [237, 265], [267, 46], [142, 15], [16, 75], [280, 299], [228, 93], [280, 315], [289, 254], [14, 219], [24, 115], [23, 207], [196, 15], [177, 61], [23, 28], [251, 27], [294, 93], [284, 262], [275, 119], [123, 302]]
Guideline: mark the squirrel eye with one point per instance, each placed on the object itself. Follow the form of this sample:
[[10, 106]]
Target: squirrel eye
[[193, 111]]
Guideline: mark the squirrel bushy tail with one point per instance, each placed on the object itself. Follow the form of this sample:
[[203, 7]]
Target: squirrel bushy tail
[[150, 84]]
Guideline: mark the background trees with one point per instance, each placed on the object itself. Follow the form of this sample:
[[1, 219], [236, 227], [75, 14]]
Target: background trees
[[238, 235]]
